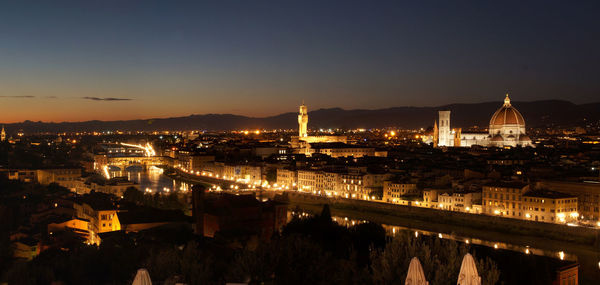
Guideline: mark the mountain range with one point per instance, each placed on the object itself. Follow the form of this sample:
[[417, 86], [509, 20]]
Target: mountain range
[[536, 114]]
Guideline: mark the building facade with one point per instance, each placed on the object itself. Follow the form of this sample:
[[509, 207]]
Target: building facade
[[504, 199], [393, 191], [550, 207], [506, 129]]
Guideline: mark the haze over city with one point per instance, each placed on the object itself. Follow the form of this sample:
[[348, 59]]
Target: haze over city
[[111, 60]]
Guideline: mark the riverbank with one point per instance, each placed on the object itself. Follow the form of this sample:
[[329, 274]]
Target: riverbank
[[581, 242], [188, 178], [424, 217]]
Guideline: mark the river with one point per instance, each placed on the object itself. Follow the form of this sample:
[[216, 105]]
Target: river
[[154, 180]]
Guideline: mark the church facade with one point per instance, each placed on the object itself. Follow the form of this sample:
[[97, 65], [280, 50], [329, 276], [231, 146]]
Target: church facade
[[506, 129]]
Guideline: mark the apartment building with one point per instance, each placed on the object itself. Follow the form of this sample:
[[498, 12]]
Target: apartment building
[[504, 198], [549, 207]]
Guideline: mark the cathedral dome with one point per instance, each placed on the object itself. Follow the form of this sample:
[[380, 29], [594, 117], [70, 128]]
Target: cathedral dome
[[507, 115]]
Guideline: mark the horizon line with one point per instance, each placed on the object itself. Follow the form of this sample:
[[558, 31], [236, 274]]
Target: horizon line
[[279, 114]]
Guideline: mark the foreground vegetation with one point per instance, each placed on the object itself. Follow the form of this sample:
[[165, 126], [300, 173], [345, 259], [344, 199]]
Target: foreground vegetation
[[309, 250]]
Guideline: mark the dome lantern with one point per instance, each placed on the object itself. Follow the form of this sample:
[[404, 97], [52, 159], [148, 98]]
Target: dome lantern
[[506, 101]]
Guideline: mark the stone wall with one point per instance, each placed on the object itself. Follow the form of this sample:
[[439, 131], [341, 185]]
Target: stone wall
[[582, 235]]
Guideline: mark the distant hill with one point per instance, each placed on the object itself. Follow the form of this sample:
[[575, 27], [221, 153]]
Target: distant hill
[[537, 114]]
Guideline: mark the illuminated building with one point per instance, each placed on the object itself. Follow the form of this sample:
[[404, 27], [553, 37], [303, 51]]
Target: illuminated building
[[504, 199], [303, 121], [445, 133], [310, 180], [587, 193], [506, 128], [550, 207], [101, 214], [2, 135], [362, 185], [62, 176], [430, 197], [302, 141], [459, 201], [286, 178], [342, 150], [393, 190]]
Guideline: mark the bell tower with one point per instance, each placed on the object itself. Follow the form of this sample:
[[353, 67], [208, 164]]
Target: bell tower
[[444, 129], [303, 121]]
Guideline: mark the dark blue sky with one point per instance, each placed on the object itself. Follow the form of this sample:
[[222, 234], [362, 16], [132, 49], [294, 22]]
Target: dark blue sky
[[264, 57]]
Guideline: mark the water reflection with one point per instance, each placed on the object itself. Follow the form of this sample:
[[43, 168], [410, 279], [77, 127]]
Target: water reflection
[[152, 180], [393, 230]]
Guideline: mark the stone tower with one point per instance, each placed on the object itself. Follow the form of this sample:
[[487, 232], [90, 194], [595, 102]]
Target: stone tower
[[445, 138], [436, 134], [302, 121]]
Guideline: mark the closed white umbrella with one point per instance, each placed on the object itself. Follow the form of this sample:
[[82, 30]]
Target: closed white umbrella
[[468, 272], [415, 275], [142, 278]]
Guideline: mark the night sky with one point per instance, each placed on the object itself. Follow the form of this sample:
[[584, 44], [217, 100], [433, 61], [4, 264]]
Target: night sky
[[107, 60]]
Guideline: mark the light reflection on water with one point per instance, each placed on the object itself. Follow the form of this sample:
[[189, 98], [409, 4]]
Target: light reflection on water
[[152, 179], [392, 230]]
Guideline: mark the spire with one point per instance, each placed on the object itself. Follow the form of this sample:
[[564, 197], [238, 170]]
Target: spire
[[506, 100]]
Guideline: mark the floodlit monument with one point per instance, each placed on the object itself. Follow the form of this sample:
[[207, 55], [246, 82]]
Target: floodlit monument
[[506, 128], [303, 139]]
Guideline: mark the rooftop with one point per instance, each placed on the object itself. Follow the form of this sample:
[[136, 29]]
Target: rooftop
[[507, 184], [548, 194], [336, 145]]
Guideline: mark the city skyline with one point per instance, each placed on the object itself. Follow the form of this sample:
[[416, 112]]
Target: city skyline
[[299, 142], [117, 61]]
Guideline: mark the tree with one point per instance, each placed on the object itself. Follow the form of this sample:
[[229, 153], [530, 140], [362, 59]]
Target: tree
[[441, 260], [132, 194], [271, 175]]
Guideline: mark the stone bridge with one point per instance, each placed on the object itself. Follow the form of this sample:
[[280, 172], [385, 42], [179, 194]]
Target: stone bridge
[[123, 162]]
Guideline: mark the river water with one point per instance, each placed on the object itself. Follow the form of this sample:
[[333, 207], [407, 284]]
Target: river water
[[154, 180]]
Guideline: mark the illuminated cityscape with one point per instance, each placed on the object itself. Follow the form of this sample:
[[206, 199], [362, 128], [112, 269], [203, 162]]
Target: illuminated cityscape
[[299, 143]]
